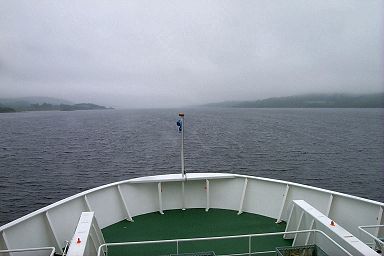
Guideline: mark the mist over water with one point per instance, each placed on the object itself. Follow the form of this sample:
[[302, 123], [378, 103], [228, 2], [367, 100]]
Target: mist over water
[[47, 156], [148, 54]]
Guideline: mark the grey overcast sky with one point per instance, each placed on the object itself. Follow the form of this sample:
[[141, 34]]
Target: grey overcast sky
[[139, 53]]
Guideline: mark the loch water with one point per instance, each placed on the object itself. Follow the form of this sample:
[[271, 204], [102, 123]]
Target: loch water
[[47, 156]]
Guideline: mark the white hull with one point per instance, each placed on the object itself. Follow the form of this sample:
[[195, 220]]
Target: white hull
[[51, 226]]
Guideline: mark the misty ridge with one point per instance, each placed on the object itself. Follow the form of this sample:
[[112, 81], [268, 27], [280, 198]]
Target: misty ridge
[[127, 54], [319, 100], [44, 104], [375, 100]]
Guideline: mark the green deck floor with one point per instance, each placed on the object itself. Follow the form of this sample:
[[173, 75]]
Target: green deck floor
[[191, 223]]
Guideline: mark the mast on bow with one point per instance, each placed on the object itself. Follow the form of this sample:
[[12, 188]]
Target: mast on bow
[[180, 124]]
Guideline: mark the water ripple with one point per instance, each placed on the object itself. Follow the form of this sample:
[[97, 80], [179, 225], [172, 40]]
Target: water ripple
[[47, 156]]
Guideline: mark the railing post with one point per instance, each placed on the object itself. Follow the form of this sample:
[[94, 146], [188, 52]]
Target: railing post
[[160, 190], [177, 246], [309, 233], [5, 239], [249, 246], [51, 227], [207, 190], [242, 197], [129, 217], [298, 227], [283, 204], [183, 194], [87, 203], [328, 210], [380, 221]]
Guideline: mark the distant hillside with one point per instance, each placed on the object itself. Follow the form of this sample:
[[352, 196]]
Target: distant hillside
[[80, 106], [6, 110], [43, 104], [311, 101], [25, 102]]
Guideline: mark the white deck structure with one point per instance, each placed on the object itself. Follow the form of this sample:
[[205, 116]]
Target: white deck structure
[[51, 226]]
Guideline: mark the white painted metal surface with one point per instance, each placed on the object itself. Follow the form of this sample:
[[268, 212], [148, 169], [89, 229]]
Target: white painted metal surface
[[81, 243], [179, 177], [127, 199], [310, 216]]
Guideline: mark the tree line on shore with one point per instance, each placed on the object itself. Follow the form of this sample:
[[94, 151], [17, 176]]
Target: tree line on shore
[[47, 107]]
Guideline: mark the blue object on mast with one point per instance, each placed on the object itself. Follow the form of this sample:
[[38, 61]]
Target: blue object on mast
[[179, 123]]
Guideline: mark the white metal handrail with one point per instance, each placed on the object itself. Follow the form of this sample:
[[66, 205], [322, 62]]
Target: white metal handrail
[[52, 249], [65, 250], [249, 236], [132, 181], [375, 238]]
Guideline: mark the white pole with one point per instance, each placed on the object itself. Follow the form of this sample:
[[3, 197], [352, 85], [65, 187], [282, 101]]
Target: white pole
[[181, 115]]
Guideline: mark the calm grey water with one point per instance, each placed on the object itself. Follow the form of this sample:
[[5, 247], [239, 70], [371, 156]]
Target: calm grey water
[[47, 156]]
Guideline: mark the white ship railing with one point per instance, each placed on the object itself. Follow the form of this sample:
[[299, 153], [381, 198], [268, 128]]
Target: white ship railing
[[337, 250], [377, 241], [65, 250], [130, 198], [28, 251]]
